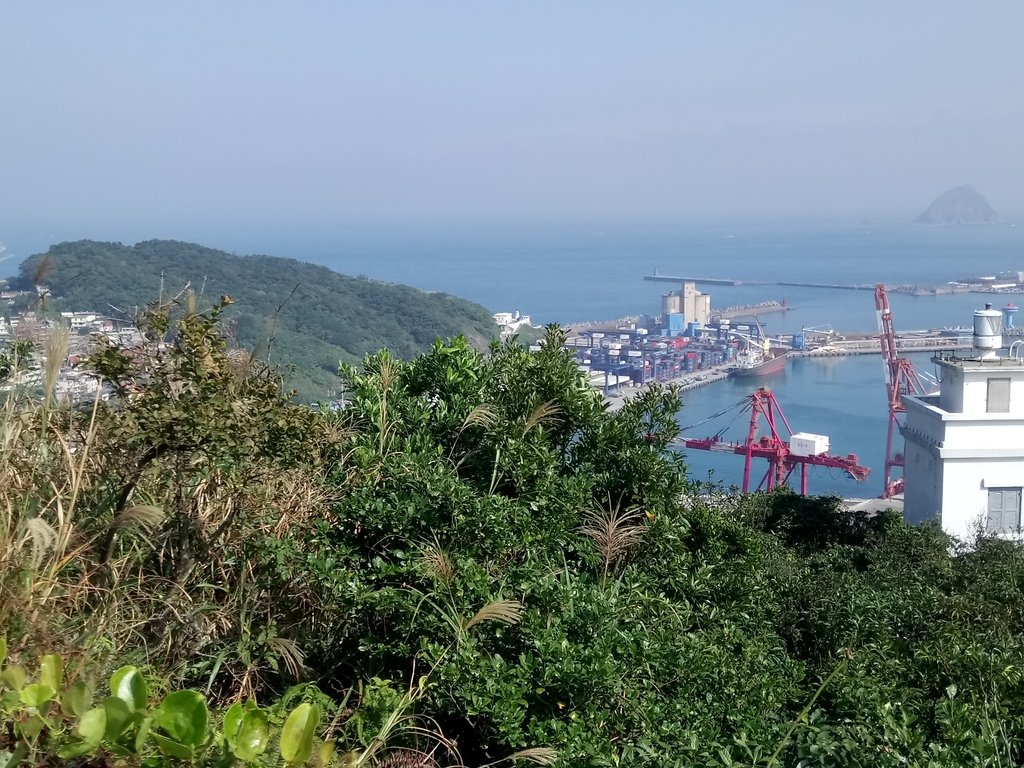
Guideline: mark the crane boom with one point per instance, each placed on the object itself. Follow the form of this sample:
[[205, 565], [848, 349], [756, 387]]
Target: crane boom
[[901, 378], [774, 447]]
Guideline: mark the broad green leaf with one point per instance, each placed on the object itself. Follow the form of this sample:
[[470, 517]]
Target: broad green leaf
[[9, 701], [127, 684], [252, 737], [172, 748], [184, 717], [3, 650], [14, 677], [51, 671], [73, 750], [36, 694], [10, 759], [118, 716], [298, 732], [93, 726], [29, 729], [233, 721], [76, 700]]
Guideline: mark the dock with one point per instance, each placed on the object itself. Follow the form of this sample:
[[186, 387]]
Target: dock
[[872, 346]]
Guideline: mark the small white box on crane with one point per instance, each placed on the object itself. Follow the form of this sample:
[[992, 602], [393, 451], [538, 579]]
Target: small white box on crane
[[806, 444]]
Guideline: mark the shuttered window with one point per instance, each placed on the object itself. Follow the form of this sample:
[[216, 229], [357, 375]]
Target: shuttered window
[[998, 396], [1003, 510]]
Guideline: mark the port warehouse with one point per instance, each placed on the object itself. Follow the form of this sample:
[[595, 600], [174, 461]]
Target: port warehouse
[[616, 356], [630, 355]]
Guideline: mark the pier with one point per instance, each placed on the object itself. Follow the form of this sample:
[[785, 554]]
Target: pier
[[872, 346], [909, 290], [700, 280]]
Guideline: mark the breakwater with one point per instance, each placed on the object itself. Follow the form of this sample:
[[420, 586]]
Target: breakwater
[[750, 310]]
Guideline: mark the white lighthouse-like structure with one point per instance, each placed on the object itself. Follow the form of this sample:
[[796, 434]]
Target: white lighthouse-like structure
[[964, 454]]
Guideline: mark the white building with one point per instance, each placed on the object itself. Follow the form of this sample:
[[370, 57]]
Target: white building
[[964, 456]]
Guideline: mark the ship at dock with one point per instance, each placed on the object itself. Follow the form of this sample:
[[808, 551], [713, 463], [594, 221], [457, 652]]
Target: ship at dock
[[754, 364], [760, 358]]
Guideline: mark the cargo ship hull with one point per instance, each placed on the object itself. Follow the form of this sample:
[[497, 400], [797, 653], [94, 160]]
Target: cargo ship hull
[[776, 364]]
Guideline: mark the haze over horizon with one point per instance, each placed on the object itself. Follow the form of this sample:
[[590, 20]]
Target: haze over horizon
[[128, 120]]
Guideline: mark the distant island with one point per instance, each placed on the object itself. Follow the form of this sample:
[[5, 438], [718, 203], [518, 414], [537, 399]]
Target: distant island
[[308, 317], [960, 205]]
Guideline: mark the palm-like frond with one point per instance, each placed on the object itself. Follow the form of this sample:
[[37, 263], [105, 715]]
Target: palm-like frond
[[543, 414], [536, 755], [288, 652], [437, 563], [483, 415], [615, 531], [40, 537], [56, 351], [506, 611]]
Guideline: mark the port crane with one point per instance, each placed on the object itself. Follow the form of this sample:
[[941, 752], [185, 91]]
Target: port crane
[[901, 378], [775, 446]]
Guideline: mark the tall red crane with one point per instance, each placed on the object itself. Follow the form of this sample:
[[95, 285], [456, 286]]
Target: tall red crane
[[773, 447], [901, 378]]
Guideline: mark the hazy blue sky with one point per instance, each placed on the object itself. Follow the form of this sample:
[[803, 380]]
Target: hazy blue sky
[[141, 118]]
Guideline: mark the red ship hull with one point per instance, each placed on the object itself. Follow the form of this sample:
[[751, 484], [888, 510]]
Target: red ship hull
[[776, 365]]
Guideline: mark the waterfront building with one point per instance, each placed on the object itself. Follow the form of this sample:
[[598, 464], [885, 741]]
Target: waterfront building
[[694, 306], [964, 455]]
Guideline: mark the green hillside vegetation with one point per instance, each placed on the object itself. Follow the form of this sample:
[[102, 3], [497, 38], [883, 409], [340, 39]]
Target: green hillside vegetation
[[298, 314], [474, 564]]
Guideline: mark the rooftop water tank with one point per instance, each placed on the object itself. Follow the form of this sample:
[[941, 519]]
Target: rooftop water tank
[[988, 331], [1008, 312]]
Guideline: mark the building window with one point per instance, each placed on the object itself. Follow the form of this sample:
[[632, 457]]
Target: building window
[[998, 396], [1003, 510]]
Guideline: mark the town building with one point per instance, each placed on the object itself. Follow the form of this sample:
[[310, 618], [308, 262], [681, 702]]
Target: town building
[[964, 454]]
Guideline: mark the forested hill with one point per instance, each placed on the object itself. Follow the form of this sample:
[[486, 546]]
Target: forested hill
[[329, 317]]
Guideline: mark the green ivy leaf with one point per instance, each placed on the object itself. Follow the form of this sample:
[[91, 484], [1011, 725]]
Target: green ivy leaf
[[51, 671], [76, 700], [10, 759], [73, 750], [29, 729], [172, 748], [127, 684], [91, 729], [36, 694], [118, 715], [298, 732], [14, 677], [233, 721], [252, 737], [184, 717], [9, 701]]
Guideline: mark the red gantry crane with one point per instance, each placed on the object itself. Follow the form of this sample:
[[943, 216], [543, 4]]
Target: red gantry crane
[[783, 455], [901, 378]]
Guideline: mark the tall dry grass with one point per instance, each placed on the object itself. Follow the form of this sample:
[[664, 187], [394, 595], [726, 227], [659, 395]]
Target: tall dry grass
[[87, 530]]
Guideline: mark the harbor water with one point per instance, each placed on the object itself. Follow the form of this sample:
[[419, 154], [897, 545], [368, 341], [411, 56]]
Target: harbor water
[[567, 276]]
